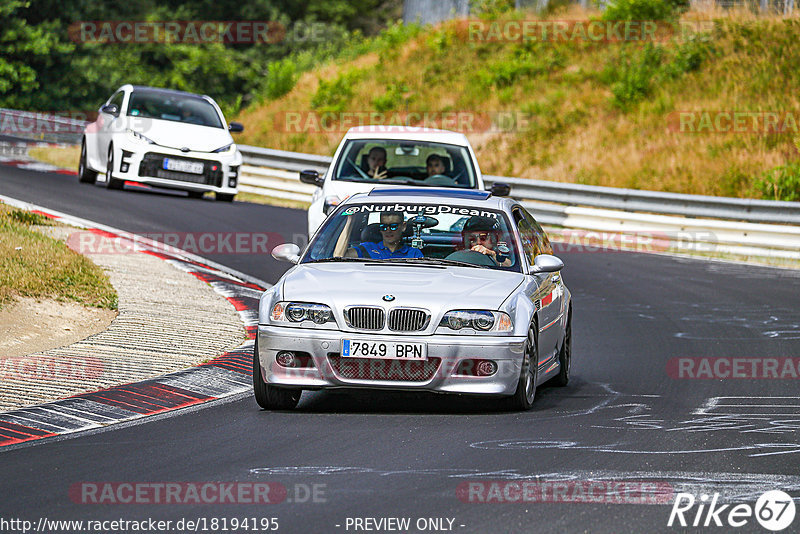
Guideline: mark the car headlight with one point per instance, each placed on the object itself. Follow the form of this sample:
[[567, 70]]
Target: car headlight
[[478, 320], [226, 148], [140, 137], [301, 312]]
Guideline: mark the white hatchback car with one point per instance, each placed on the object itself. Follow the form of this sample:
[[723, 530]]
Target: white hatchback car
[[164, 138], [402, 156]]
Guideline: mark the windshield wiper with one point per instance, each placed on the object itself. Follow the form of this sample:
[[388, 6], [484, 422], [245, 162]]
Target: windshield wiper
[[320, 260], [436, 261]]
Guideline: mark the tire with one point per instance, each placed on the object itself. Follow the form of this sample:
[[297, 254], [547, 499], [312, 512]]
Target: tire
[[523, 397], [195, 194], [564, 356], [85, 174], [224, 197], [111, 182], [271, 397]]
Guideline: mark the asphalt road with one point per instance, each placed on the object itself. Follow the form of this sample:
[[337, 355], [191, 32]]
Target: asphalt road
[[623, 418]]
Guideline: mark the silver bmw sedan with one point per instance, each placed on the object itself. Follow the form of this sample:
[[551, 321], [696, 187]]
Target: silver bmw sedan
[[417, 289]]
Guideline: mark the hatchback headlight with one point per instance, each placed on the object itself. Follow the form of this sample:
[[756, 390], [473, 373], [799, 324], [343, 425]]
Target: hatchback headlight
[[300, 312], [479, 320], [140, 137], [226, 148]]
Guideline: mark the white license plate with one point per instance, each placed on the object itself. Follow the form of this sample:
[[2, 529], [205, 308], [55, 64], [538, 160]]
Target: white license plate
[[180, 165], [388, 350]]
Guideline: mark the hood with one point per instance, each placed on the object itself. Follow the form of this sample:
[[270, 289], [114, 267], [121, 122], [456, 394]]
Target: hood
[[436, 289], [178, 135]]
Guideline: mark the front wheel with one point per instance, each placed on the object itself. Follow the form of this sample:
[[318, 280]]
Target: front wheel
[[522, 399], [85, 174], [271, 397], [224, 197], [111, 182]]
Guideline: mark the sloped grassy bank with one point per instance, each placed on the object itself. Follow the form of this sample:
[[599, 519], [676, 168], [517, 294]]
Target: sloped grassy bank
[[714, 112]]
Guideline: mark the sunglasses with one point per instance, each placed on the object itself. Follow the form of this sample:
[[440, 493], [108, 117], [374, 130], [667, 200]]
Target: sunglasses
[[474, 238], [390, 227]]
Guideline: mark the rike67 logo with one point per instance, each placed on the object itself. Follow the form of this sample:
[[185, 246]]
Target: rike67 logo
[[774, 510]]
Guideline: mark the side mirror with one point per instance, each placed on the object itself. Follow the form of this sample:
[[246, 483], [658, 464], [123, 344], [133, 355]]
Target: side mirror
[[111, 109], [500, 189], [311, 177], [545, 263], [287, 252], [235, 127]]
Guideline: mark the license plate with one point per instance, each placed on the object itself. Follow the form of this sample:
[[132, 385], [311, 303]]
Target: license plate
[[181, 165], [388, 350]]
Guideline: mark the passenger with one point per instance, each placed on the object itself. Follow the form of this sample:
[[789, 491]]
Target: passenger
[[435, 165], [481, 234], [391, 227], [376, 160]]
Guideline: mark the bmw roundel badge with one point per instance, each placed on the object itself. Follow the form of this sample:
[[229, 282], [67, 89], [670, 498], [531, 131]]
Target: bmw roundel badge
[[388, 298]]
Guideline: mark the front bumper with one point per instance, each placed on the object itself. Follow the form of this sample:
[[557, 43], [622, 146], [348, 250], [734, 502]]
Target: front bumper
[[329, 370], [142, 163]]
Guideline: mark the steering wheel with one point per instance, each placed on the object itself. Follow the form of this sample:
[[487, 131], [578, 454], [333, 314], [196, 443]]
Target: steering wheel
[[439, 179], [472, 256]]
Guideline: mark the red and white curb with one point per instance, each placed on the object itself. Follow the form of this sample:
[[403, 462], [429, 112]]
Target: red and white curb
[[223, 376]]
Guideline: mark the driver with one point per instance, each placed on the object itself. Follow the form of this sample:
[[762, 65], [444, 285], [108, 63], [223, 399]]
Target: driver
[[435, 165], [481, 234], [376, 160], [392, 226]]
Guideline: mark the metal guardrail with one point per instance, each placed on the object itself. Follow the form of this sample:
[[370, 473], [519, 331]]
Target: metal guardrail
[[755, 211], [695, 223], [18, 125]]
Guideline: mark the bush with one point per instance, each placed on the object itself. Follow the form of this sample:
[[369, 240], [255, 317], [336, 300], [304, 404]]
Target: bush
[[334, 96], [639, 10], [281, 77], [391, 99], [633, 78], [781, 183]]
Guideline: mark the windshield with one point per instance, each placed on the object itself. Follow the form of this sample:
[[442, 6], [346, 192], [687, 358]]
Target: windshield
[[405, 162], [445, 234], [172, 107]]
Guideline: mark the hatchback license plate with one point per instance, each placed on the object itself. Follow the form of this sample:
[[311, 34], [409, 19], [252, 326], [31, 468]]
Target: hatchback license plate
[[388, 350], [194, 167]]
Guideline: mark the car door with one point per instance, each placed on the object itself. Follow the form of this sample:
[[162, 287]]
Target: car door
[[544, 289], [108, 125]]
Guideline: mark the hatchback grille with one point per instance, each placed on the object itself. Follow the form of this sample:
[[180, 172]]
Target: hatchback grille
[[382, 369], [408, 320], [152, 165], [365, 317]]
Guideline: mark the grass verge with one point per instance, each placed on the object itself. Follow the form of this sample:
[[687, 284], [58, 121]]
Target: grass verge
[[38, 266], [62, 157]]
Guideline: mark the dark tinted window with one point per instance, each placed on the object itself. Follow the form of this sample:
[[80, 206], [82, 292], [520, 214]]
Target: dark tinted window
[[173, 107]]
